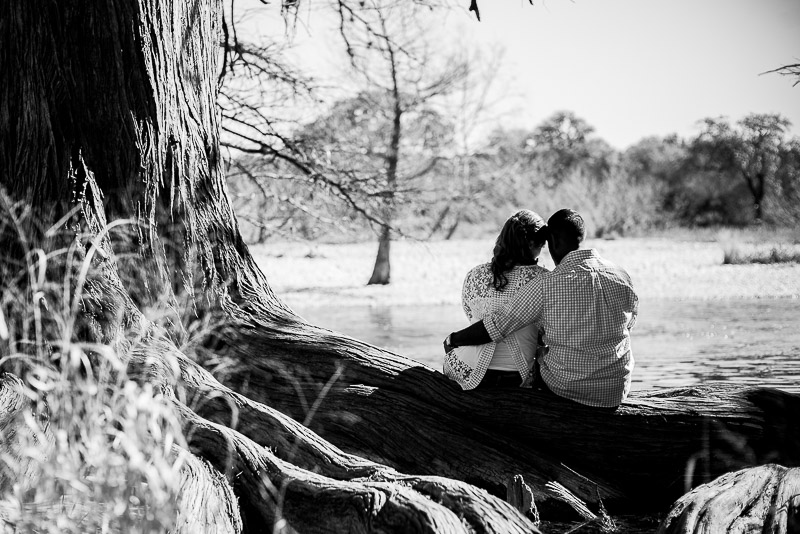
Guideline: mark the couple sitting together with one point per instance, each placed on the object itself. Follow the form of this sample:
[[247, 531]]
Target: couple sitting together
[[565, 331]]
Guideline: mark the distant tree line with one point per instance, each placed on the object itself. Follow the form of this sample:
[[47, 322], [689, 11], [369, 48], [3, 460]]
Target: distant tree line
[[733, 174], [406, 147]]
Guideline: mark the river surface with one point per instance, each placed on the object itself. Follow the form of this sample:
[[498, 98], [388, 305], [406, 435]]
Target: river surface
[[675, 343]]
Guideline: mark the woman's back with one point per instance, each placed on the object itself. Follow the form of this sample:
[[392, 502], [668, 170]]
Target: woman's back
[[467, 365]]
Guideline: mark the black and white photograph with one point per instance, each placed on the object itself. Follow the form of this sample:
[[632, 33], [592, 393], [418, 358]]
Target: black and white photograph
[[400, 266]]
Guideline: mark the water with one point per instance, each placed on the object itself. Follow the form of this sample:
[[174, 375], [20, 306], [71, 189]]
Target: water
[[675, 343]]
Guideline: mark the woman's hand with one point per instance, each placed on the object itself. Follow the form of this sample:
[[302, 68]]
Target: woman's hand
[[447, 346]]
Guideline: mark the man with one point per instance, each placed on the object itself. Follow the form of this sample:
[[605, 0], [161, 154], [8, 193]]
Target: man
[[586, 306]]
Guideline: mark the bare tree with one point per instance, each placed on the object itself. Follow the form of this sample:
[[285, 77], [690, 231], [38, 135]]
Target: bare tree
[[390, 48], [472, 105], [792, 70]]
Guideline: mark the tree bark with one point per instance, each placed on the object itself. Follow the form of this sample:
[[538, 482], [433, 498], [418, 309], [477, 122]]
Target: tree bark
[[381, 273], [111, 111], [639, 459], [759, 499]]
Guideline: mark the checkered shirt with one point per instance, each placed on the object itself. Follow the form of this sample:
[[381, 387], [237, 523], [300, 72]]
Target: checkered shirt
[[587, 307]]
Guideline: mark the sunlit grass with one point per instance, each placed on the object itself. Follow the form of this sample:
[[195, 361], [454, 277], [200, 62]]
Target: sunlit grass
[[734, 254], [762, 246], [83, 448], [90, 455]]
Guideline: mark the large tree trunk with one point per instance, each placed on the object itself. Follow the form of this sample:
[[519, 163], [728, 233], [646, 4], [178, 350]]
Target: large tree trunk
[[381, 273], [111, 110]]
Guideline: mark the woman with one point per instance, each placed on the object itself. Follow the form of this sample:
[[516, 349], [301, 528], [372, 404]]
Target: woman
[[506, 363]]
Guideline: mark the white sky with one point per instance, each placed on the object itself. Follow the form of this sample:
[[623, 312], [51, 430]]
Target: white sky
[[630, 68]]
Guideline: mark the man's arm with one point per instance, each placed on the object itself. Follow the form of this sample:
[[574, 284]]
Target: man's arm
[[474, 334], [525, 308]]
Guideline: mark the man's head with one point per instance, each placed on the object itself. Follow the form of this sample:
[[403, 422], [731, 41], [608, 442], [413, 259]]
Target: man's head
[[566, 233]]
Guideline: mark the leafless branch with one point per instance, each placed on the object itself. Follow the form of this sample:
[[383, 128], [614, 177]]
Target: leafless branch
[[787, 70]]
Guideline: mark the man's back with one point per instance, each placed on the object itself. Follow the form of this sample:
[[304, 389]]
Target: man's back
[[588, 307]]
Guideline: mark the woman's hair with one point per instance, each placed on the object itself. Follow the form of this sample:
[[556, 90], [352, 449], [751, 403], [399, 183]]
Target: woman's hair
[[513, 245]]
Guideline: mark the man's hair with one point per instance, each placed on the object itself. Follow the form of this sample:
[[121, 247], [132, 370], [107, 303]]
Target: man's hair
[[568, 225]]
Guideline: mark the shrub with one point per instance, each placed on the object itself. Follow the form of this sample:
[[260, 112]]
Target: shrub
[[739, 248]]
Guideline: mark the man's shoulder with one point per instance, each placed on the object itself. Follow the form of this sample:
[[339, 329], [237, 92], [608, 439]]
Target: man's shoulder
[[595, 258], [590, 261]]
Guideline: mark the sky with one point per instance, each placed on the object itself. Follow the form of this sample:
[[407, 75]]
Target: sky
[[630, 68]]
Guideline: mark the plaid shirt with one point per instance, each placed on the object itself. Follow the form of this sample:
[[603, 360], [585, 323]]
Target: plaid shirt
[[586, 307]]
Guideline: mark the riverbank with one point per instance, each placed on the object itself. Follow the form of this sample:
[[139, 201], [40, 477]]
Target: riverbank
[[317, 274]]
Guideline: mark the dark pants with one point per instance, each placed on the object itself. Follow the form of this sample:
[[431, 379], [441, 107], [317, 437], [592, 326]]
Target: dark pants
[[512, 379], [500, 379]]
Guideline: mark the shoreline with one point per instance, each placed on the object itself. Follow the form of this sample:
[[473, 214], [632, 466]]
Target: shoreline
[[309, 275]]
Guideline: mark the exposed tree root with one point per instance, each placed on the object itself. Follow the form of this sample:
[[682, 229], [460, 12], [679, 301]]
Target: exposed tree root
[[206, 501], [759, 499], [322, 489], [633, 460]]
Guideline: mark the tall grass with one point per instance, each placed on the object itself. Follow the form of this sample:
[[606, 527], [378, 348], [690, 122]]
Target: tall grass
[[83, 448], [93, 455], [759, 247]]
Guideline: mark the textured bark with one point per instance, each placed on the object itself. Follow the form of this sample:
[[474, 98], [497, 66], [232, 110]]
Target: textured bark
[[381, 272], [206, 501], [639, 459], [759, 499]]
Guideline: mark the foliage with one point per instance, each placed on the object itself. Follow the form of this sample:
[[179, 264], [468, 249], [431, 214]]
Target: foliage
[[710, 180], [564, 143], [353, 141], [348, 145], [754, 153]]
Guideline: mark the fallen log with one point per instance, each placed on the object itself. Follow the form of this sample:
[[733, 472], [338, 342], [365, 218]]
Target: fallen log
[[758, 499], [657, 446]]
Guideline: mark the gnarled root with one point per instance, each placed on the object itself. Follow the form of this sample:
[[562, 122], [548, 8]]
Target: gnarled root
[[283, 473], [758, 499]]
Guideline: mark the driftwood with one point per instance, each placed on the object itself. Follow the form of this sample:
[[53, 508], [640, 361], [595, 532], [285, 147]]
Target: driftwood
[[111, 115], [758, 499]]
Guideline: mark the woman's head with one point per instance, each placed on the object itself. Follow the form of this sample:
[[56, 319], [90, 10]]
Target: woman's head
[[519, 243]]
